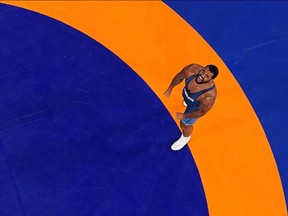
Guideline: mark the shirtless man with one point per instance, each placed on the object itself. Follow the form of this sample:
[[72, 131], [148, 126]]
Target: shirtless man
[[199, 96]]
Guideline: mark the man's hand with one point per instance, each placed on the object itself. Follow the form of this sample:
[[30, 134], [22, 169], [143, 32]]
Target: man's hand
[[180, 116], [168, 92]]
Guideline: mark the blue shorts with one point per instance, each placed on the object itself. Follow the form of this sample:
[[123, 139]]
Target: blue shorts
[[189, 121]]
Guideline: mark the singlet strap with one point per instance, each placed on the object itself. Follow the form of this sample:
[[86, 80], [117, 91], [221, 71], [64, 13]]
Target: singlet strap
[[204, 91], [188, 80]]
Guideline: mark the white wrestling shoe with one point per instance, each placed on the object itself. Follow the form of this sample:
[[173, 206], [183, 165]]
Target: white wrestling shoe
[[184, 103], [180, 143]]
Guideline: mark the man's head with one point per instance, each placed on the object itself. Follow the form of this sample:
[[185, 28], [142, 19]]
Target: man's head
[[213, 69], [206, 74]]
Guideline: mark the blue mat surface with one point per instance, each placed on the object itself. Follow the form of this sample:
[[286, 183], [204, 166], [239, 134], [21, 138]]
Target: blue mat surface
[[77, 137]]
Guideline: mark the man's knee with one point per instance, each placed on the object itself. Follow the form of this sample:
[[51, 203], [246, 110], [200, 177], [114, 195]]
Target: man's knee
[[184, 126]]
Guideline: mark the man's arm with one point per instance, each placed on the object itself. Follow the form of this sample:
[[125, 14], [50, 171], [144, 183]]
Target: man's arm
[[179, 77], [206, 103]]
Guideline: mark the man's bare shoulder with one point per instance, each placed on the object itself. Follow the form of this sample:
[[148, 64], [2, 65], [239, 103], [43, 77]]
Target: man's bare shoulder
[[192, 69]]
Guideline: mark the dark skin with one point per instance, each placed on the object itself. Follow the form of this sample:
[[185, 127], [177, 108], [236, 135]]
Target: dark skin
[[201, 82]]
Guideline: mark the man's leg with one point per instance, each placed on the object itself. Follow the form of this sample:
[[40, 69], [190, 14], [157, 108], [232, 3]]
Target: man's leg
[[185, 137], [186, 129]]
